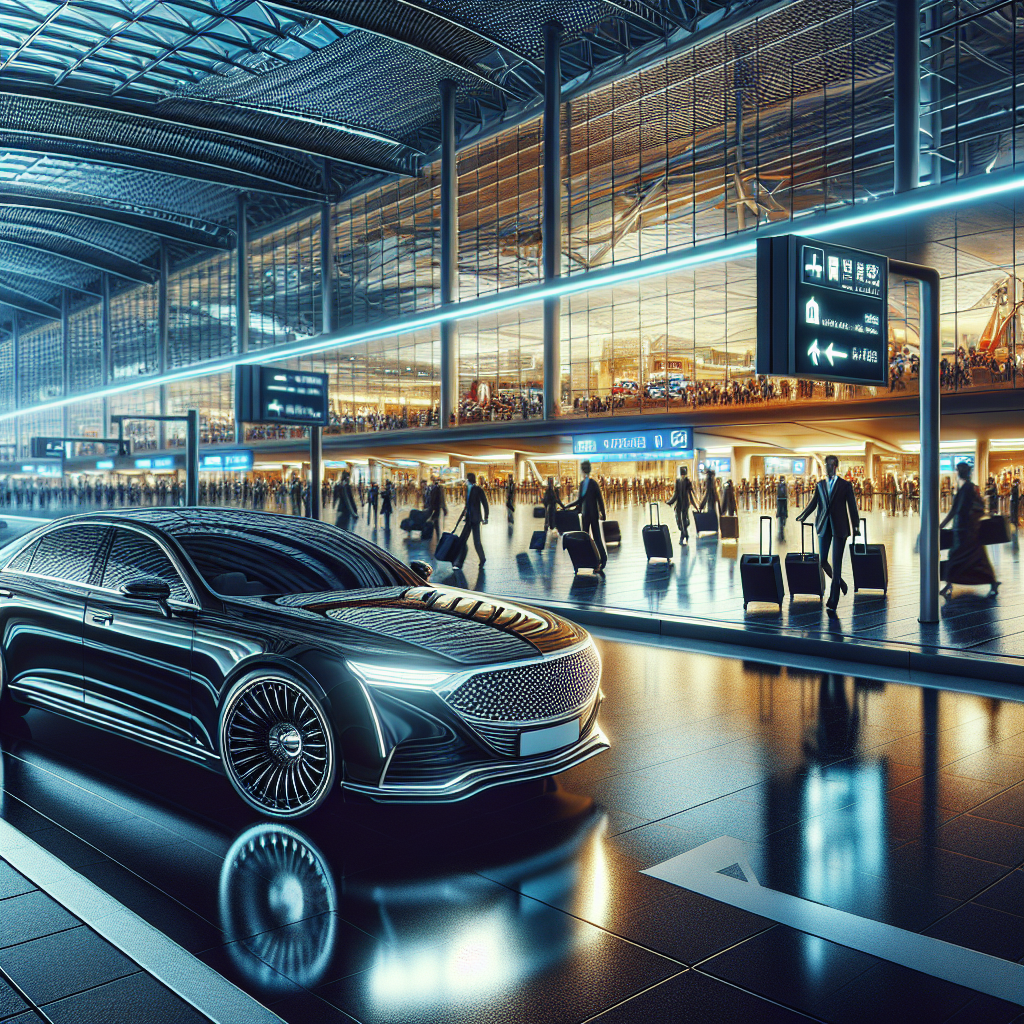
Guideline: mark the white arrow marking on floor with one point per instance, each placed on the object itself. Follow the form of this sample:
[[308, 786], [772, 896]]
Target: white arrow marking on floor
[[700, 872]]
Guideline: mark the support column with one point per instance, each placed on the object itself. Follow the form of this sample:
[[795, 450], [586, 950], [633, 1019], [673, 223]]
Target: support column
[[449, 255], [981, 453], [551, 217], [326, 258], [242, 274], [192, 458], [163, 313], [316, 471], [907, 96]]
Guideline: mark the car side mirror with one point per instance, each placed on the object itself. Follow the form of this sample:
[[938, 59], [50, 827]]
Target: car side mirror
[[149, 589], [422, 569]]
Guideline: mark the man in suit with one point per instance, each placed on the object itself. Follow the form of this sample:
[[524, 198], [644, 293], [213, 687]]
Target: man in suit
[[590, 506], [683, 498], [345, 503], [477, 511], [837, 518]]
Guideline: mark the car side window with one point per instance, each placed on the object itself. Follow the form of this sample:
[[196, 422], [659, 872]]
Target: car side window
[[67, 553], [134, 556], [22, 561]]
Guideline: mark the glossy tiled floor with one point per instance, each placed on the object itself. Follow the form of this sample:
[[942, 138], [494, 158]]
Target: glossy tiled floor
[[887, 801]]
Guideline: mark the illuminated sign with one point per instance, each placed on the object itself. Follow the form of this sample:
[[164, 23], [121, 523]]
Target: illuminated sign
[[104, 463], [774, 466], [235, 461], [718, 465], [272, 394], [635, 446], [822, 311], [163, 462], [55, 468], [948, 463]]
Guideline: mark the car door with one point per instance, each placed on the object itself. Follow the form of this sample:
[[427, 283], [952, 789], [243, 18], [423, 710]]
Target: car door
[[137, 654], [43, 594]]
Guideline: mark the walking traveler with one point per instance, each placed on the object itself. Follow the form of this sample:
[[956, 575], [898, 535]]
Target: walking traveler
[[837, 518], [968, 562], [683, 498], [590, 505], [477, 511]]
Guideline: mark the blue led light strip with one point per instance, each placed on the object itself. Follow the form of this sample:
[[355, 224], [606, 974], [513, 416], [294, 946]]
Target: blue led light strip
[[906, 205]]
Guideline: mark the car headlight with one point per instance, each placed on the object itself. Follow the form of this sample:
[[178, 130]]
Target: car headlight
[[402, 678]]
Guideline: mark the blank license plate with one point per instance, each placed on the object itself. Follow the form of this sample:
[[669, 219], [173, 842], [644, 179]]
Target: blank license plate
[[540, 741]]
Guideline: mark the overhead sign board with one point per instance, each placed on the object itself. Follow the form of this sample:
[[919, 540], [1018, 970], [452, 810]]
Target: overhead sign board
[[272, 394], [774, 465], [233, 461], [822, 311], [635, 445], [948, 463], [46, 448], [719, 465]]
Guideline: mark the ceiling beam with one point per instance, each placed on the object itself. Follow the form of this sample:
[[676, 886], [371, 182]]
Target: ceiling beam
[[63, 246], [172, 226], [27, 303]]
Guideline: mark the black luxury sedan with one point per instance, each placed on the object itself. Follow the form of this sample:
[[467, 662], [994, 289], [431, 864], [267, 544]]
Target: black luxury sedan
[[292, 656]]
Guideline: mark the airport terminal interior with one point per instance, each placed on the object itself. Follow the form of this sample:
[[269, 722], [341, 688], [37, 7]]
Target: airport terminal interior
[[511, 511]]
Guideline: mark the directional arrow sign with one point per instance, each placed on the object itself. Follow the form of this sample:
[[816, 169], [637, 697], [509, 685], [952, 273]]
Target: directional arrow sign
[[814, 351], [833, 354]]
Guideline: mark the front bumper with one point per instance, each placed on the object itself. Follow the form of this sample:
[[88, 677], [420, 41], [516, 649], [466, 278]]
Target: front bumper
[[468, 780]]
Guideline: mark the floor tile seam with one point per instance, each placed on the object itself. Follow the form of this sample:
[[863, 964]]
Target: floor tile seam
[[56, 931], [23, 995], [630, 998], [757, 995], [157, 955], [93, 987], [704, 803], [594, 924]]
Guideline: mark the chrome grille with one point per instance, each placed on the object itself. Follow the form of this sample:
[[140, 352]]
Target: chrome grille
[[538, 691]]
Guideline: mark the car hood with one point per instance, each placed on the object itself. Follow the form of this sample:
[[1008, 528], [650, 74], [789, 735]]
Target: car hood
[[459, 625]]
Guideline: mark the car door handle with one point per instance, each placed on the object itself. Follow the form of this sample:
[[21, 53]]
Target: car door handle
[[101, 618], [6, 593]]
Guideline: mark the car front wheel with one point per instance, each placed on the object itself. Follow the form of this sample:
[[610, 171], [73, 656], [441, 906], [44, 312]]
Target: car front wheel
[[277, 745]]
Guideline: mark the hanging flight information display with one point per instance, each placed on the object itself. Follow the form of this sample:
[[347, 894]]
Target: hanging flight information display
[[822, 311], [273, 394]]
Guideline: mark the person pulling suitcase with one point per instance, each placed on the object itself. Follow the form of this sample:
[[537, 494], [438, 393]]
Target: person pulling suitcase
[[477, 510], [837, 518], [590, 505], [682, 499]]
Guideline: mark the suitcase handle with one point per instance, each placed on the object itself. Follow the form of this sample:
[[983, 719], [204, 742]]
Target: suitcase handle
[[863, 535], [650, 513], [760, 537], [807, 526]]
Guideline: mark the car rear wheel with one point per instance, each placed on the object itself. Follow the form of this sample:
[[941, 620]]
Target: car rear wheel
[[277, 745]]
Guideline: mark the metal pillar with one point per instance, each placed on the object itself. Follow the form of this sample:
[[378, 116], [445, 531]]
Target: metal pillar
[[192, 458], [242, 274], [928, 384], [551, 217], [163, 317], [449, 255], [326, 258], [316, 471], [907, 96]]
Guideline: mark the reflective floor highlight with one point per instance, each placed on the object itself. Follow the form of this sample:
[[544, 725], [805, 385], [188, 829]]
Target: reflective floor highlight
[[889, 802]]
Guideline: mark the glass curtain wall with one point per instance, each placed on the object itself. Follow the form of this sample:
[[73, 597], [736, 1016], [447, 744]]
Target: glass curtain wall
[[41, 364], [201, 311], [85, 338], [135, 332]]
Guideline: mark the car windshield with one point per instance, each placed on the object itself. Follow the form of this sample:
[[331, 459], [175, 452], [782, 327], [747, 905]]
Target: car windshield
[[252, 562]]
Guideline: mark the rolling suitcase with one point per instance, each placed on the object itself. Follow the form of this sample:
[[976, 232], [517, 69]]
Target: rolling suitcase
[[730, 527], [870, 566], [538, 539], [582, 550], [704, 522], [567, 521], [761, 574], [612, 533], [803, 570], [538, 511], [449, 545], [657, 539]]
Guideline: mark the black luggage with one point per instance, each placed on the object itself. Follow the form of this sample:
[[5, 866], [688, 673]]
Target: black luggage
[[582, 550], [567, 521], [415, 520], [538, 539], [993, 530], [657, 539], [803, 570], [538, 511], [704, 522], [428, 530], [449, 545], [612, 533], [730, 527], [870, 566], [761, 574]]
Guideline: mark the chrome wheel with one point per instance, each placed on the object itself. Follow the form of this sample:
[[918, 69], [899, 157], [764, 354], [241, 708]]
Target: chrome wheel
[[277, 746]]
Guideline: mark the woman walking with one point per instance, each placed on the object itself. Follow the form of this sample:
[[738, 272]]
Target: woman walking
[[782, 505], [968, 562]]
